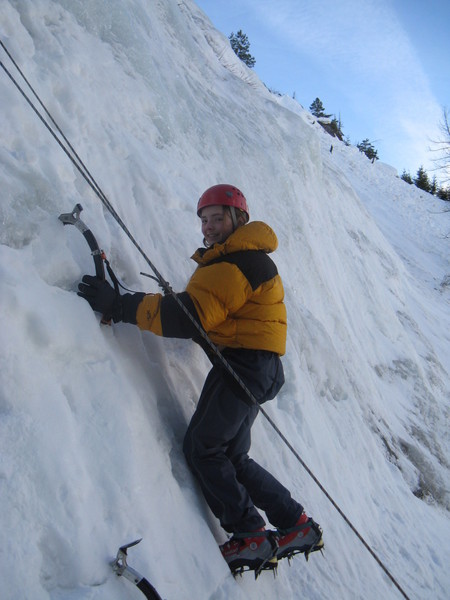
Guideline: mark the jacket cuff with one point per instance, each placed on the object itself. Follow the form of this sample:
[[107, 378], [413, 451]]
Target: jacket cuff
[[130, 303]]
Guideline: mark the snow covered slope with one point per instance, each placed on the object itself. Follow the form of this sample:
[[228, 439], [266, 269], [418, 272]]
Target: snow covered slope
[[92, 418]]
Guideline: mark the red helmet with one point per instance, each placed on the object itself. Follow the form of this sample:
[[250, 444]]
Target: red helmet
[[224, 195]]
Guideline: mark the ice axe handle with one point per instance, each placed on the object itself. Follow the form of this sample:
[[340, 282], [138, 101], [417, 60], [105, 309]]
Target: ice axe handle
[[73, 218], [121, 568]]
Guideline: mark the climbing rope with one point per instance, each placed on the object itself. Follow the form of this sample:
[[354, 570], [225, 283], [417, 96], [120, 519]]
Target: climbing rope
[[83, 170]]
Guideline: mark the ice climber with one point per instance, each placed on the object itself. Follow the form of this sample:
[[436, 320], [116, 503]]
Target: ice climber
[[236, 294]]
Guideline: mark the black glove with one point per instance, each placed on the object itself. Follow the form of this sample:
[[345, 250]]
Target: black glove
[[102, 297]]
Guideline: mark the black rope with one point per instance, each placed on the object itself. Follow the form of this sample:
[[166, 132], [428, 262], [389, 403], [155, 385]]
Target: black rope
[[83, 170]]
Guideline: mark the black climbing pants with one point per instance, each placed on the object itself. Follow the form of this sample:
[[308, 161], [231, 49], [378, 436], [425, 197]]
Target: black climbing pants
[[218, 439]]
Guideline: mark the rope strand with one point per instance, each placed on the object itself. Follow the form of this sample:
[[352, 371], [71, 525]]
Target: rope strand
[[83, 170]]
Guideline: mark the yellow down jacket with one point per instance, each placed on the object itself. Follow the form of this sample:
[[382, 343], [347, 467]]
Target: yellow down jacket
[[235, 293]]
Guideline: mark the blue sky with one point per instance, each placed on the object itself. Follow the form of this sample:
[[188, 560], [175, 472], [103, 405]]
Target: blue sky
[[383, 66]]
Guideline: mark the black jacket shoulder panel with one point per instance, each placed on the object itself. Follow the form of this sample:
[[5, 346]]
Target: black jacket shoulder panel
[[256, 266]]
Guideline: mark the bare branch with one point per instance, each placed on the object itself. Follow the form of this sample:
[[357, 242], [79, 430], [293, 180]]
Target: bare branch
[[442, 146]]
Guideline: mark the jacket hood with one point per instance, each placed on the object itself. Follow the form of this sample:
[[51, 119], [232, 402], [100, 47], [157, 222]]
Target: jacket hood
[[252, 236]]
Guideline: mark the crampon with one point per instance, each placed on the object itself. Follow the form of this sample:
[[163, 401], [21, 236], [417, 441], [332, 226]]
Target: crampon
[[270, 564], [304, 538], [254, 551]]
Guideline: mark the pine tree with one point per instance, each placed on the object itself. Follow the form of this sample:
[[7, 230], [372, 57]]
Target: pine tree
[[336, 128], [406, 177], [434, 186], [240, 44], [443, 193], [368, 149], [422, 181], [318, 110]]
